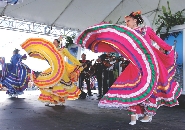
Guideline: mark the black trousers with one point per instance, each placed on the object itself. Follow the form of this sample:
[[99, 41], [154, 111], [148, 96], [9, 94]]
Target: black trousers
[[108, 80], [99, 80], [105, 82], [87, 80], [111, 79]]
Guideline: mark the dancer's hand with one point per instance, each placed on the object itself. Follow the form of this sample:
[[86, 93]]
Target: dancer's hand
[[24, 57]]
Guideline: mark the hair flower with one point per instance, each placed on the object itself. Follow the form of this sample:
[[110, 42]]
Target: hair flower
[[137, 13]]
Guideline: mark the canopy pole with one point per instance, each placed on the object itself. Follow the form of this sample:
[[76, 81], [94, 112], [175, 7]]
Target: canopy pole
[[112, 10], [61, 13], [2, 13], [156, 12]]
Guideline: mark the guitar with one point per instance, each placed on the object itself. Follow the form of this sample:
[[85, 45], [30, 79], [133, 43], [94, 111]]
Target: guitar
[[86, 63]]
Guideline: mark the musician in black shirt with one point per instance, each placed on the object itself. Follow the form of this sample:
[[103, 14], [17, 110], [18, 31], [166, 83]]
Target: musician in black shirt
[[86, 64], [98, 73], [105, 60]]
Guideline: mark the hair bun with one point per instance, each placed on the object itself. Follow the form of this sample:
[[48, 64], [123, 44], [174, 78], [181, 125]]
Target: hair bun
[[137, 15]]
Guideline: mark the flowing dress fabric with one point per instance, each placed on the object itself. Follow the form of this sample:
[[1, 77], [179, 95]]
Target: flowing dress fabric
[[57, 82], [147, 82], [65, 89], [15, 75]]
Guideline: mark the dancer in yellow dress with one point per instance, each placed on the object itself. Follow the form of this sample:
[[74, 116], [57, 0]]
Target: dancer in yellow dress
[[64, 89]]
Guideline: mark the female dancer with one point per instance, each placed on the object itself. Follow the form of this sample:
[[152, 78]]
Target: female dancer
[[166, 72], [63, 88], [147, 82], [15, 75]]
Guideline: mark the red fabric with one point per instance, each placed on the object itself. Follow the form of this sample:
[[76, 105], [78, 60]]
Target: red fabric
[[137, 109]]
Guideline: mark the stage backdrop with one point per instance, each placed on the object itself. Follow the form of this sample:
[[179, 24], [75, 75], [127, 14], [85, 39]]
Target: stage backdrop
[[75, 51], [178, 46]]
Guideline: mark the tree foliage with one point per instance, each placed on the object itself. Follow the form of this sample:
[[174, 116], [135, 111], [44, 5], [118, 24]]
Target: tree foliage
[[169, 20]]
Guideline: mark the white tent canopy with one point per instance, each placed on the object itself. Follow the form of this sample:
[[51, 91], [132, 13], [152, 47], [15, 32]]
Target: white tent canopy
[[80, 14]]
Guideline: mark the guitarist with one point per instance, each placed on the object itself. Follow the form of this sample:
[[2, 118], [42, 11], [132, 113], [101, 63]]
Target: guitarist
[[86, 64]]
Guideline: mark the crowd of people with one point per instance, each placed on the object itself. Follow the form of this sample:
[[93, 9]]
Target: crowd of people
[[146, 81]]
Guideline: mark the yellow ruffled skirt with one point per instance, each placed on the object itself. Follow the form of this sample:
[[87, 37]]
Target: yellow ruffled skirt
[[57, 82], [64, 90]]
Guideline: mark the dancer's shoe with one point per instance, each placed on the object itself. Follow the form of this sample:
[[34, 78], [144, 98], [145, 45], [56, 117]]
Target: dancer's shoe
[[133, 121], [47, 104], [15, 95], [148, 120]]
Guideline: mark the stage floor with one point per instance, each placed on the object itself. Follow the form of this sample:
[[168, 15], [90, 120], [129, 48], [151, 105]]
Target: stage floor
[[27, 113]]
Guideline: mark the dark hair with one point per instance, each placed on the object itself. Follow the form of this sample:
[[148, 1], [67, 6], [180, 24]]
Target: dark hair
[[83, 54], [57, 41], [137, 16], [16, 51]]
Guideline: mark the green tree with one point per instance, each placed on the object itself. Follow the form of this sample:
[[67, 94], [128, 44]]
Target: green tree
[[169, 20]]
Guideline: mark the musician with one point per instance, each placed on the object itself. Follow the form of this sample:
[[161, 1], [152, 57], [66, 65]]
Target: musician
[[111, 68], [107, 72], [98, 73], [86, 64]]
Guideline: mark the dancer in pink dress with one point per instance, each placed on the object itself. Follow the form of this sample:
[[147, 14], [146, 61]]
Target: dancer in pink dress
[[147, 82]]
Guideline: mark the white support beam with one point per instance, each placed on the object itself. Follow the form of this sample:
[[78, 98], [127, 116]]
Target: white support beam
[[35, 28]]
